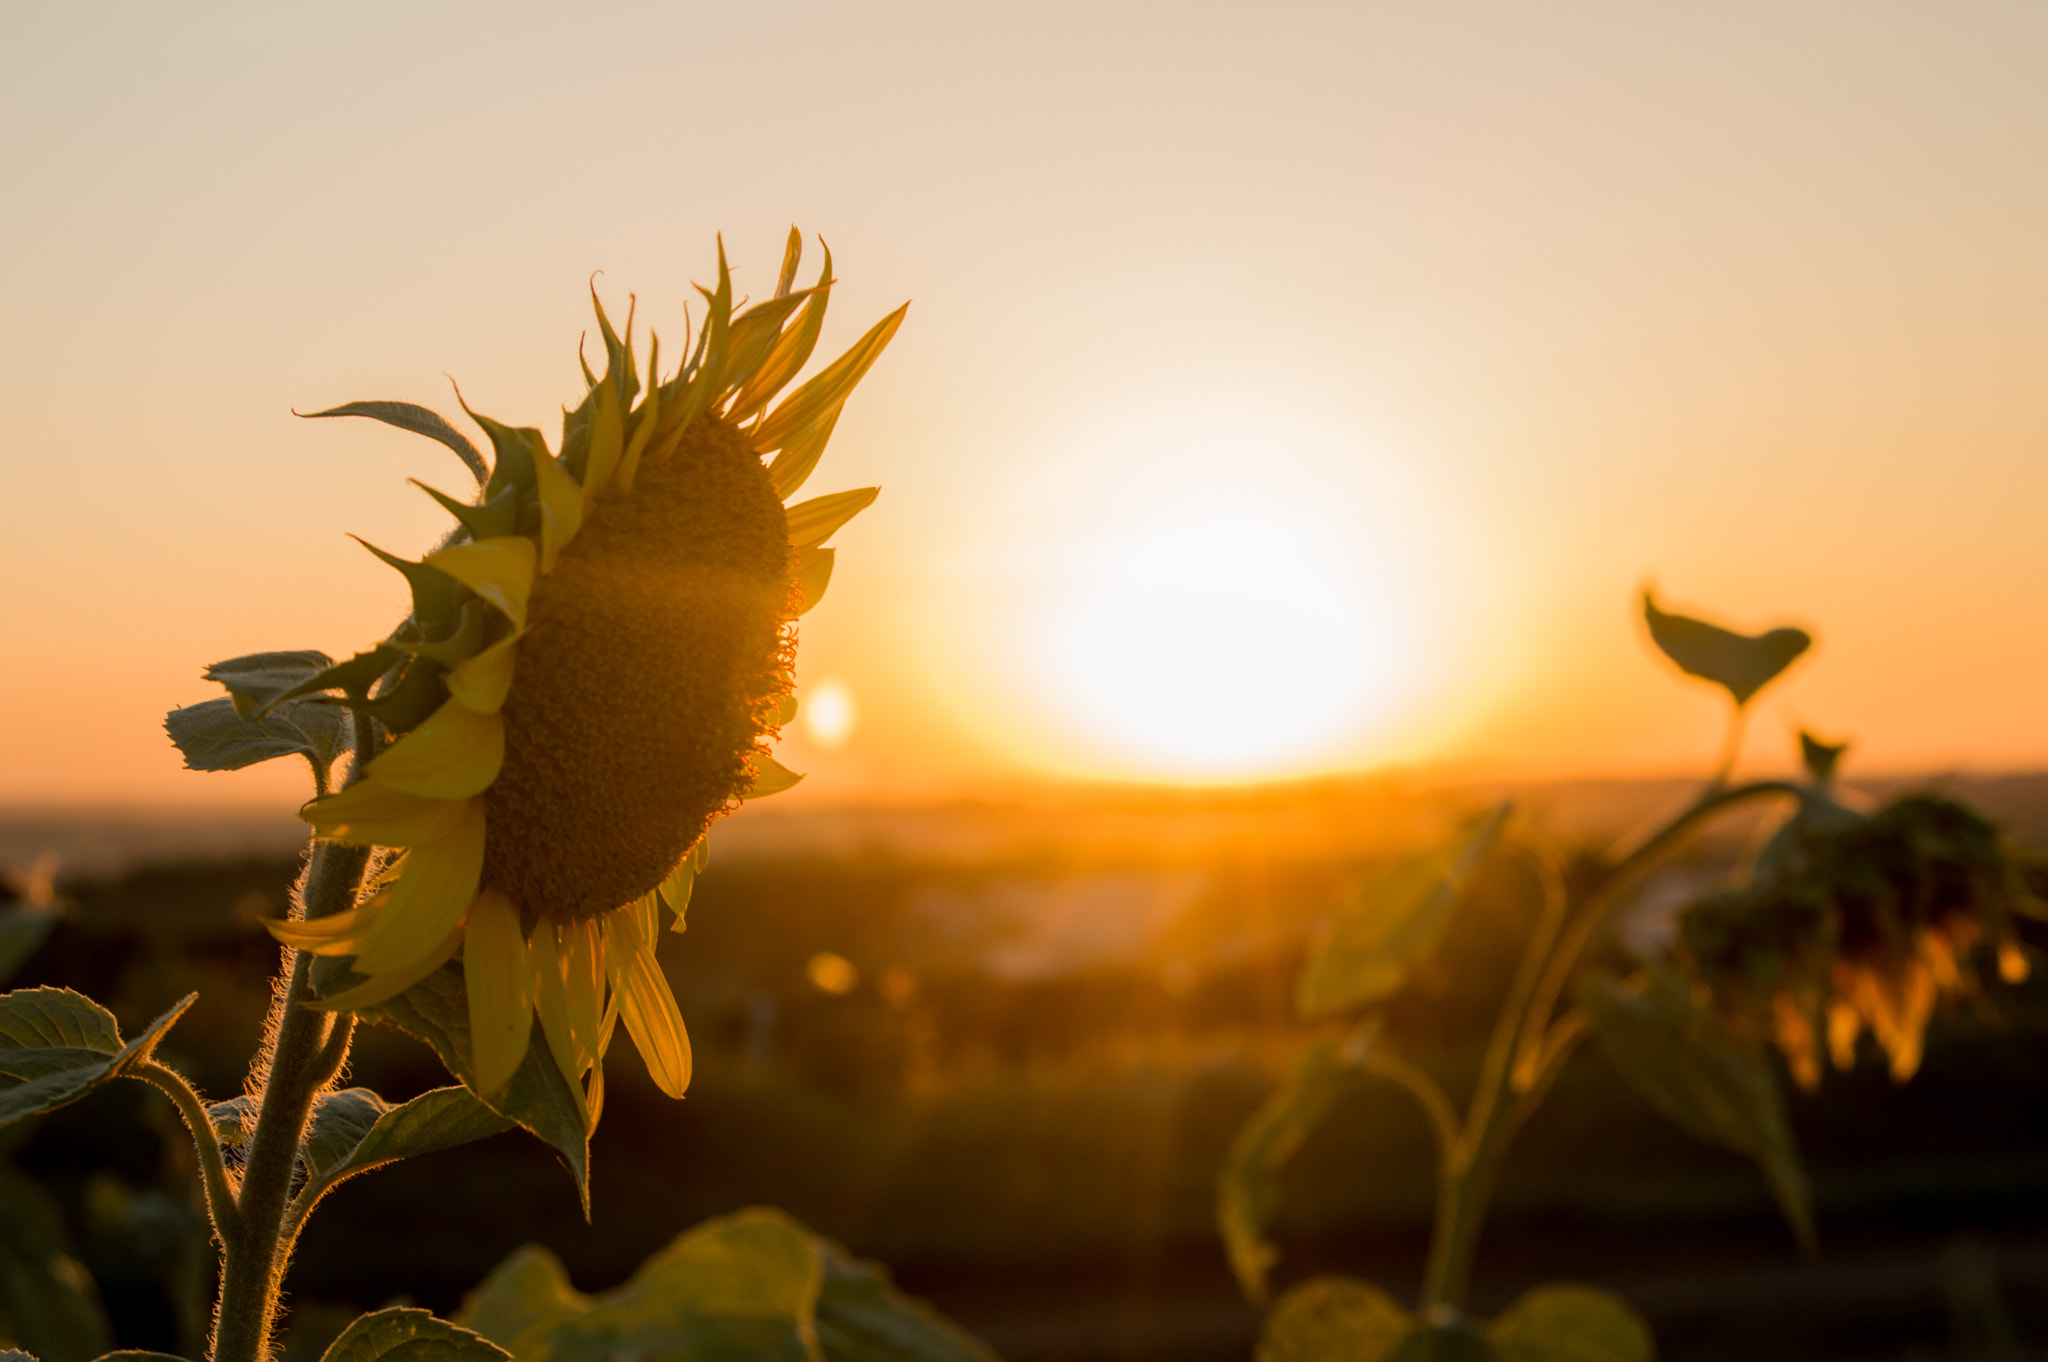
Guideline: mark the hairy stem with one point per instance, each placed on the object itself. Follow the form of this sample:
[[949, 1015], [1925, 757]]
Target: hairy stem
[[220, 1193]]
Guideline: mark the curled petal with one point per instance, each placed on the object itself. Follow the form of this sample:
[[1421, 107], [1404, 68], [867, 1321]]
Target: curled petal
[[430, 897]]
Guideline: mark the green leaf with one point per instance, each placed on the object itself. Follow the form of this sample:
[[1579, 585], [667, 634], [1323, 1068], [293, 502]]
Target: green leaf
[[436, 1010], [1364, 952], [862, 1317], [1567, 1322], [1248, 1190], [259, 680], [521, 1302], [419, 421], [408, 1335], [1743, 663], [56, 1046], [1333, 1319], [213, 735], [1703, 1082], [23, 929], [45, 1295], [440, 1119], [338, 1123], [1450, 1342]]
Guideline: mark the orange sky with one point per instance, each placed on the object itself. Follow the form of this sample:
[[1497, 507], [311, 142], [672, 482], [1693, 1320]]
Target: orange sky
[[1385, 350]]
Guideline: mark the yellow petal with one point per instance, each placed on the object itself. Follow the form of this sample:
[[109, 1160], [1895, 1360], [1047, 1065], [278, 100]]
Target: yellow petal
[[583, 987], [499, 980], [675, 890], [371, 813], [336, 934], [772, 778], [392, 982], [800, 454], [813, 574], [453, 753], [607, 441], [645, 1003], [499, 570], [482, 682], [429, 899], [829, 389], [561, 508], [593, 1096], [551, 1000], [812, 522]]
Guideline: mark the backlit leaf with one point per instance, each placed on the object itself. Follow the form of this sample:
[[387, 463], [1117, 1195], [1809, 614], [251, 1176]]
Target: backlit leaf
[[1704, 1083], [408, 1335], [862, 1317], [440, 1119], [1567, 1322], [1391, 923], [338, 1124], [1333, 1319], [56, 1046], [1742, 663]]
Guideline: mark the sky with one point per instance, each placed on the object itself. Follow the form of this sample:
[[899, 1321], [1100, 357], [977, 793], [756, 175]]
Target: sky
[[1286, 390]]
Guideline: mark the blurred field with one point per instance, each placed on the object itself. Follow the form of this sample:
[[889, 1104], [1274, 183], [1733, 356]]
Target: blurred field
[[1062, 1005]]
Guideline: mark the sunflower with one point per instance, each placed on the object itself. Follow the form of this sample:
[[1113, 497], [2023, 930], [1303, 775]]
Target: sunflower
[[594, 663]]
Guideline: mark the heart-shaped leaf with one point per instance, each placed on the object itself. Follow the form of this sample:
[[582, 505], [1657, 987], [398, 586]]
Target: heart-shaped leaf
[[56, 1046], [1742, 663]]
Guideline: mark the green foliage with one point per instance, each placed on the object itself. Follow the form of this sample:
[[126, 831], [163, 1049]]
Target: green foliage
[[1742, 663], [213, 735], [1248, 1192], [1567, 1322], [436, 1010], [47, 1302], [1706, 1084], [1391, 923], [420, 421], [56, 1046], [1331, 1318], [440, 1119], [408, 1335], [755, 1285]]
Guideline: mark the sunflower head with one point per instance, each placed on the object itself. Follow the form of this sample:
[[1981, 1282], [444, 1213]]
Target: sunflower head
[[596, 660], [1855, 922]]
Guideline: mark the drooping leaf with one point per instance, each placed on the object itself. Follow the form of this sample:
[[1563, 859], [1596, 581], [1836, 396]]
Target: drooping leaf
[[862, 1317], [418, 420], [259, 680], [436, 1010], [1391, 923], [338, 1124], [1567, 1322], [23, 929], [1333, 1319], [1742, 663], [45, 1294], [213, 735], [1248, 1190], [56, 1046], [1703, 1082], [440, 1119], [408, 1335]]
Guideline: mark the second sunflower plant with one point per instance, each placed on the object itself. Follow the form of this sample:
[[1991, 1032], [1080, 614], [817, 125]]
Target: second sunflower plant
[[597, 659]]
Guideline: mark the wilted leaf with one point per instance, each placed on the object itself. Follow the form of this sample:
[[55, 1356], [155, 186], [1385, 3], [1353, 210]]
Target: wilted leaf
[[56, 1046], [407, 1335], [1333, 1319], [45, 1295], [1391, 923], [420, 421], [436, 1010], [1706, 1084], [862, 1317], [1743, 663], [1566, 1322], [1248, 1191], [213, 735]]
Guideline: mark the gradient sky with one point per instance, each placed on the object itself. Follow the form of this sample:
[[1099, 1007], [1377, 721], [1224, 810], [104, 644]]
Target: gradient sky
[[1428, 333]]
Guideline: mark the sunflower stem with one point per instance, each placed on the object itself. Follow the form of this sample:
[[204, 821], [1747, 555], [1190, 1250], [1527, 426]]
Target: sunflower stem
[[306, 1050]]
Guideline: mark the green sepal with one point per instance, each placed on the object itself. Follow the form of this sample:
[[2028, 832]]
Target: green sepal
[[1742, 664], [56, 1046], [516, 449], [418, 420], [401, 709], [405, 1334], [435, 595], [707, 383], [619, 366], [492, 520], [436, 1010], [465, 640], [353, 677]]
